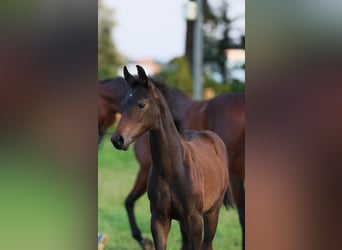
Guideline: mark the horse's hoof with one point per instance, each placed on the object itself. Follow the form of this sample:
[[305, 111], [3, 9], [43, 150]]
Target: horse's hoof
[[146, 244]]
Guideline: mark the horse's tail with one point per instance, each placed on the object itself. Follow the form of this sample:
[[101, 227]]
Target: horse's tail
[[228, 200]]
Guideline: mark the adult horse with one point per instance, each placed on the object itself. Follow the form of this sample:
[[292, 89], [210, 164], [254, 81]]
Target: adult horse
[[224, 114], [110, 94], [189, 179]]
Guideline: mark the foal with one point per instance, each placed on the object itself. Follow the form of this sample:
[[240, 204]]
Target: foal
[[188, 180]]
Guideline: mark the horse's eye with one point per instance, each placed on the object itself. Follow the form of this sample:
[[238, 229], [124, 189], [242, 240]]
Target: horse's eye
[[141, 105]]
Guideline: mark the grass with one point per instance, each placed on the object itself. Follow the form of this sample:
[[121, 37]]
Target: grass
[[116, 174]]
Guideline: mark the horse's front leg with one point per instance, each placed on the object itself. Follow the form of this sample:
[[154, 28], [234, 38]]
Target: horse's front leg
[[186, 243], [195, 225], [160, 228], [210, 226]]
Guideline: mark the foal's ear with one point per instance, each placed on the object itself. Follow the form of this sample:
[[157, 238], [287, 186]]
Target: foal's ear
[[142, 75], [128, 77], [144, 79]]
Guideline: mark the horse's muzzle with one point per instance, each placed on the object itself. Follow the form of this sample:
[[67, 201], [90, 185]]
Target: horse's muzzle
[[118, 142]]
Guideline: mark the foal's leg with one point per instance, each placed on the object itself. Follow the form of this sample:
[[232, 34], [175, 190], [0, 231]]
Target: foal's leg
[[210, 226], [137, 191], [160, 228], [195, 225], [185, 236]]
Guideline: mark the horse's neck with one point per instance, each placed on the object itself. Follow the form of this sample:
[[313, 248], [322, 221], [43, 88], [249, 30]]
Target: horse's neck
[[166, 145], [118, 93], [114, 95], [193, 115], [112, 102], [185, 103]]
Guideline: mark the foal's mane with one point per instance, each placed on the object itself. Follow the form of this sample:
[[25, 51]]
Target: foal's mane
[[170, 96]]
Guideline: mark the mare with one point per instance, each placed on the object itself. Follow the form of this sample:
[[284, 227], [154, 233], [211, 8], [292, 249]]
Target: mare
[[223, 114], [189, 179]]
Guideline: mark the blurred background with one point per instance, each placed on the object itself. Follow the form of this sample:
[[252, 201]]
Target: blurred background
[[159, 35]]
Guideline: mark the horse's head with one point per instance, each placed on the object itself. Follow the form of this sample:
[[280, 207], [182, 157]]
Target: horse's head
[[110, 94], [140, 109]]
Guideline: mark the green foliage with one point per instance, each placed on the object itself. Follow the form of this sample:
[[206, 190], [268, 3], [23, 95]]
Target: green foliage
[[220, 88], [109, 59], [216, 27], [237, 87], [116, 174], [216, 40], [177, 74]]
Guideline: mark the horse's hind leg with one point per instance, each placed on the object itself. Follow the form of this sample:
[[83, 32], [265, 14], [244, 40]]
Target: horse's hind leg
[[239, 197], [210, 226], [138, 190]]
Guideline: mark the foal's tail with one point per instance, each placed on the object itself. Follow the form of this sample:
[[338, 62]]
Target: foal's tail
[[228, 200]]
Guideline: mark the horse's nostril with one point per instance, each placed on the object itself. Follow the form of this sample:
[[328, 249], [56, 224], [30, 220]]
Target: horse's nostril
[[119, 140]]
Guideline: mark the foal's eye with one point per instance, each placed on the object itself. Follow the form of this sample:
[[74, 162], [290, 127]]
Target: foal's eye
[[141, 105]]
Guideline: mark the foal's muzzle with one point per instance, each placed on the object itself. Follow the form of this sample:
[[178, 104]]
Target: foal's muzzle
[[119, 142]]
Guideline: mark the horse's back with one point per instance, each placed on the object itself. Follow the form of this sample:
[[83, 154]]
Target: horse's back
[[205, 140], [226, 116], [223, 114], [206, 157]]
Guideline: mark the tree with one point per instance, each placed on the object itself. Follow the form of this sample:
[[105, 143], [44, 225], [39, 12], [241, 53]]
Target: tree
[[109, 59], [216, 29], [216, 36], [177, 74], [189, 36]]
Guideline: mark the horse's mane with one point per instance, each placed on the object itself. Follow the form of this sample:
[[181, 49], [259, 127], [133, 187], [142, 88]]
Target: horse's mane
[[170, 95], [108, 80], [103, 81]]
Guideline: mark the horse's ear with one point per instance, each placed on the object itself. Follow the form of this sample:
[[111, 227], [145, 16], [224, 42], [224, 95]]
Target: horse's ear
[[142, 75], [144, 79], [128, 77]]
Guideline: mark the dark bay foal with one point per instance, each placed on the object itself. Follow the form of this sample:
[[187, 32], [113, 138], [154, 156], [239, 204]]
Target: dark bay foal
[[189, 178]]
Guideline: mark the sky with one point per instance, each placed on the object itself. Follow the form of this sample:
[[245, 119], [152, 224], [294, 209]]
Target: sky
[[156, 28]]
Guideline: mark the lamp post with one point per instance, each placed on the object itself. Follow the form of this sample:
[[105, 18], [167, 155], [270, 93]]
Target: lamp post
[[198, 53], [194, 11]]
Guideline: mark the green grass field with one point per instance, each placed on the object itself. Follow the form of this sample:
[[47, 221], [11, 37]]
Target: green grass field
[[116, 174]]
